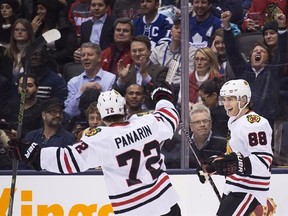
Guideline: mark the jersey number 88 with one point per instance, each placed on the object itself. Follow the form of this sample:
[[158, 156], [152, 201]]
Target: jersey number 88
[[257, 138]]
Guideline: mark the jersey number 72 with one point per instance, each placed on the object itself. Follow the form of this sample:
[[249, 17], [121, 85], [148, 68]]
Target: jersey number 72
[[135, 156]]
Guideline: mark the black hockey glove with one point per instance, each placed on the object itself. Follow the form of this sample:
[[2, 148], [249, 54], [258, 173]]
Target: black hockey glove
[[228, 164], [162, 91], [21, 150]]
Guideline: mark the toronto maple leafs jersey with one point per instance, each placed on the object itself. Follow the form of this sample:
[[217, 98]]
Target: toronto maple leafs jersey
[[129, 154], [159, 28], [251, 135], [200, 33]]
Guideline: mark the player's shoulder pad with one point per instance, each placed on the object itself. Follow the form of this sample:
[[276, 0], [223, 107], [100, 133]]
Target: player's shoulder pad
[[92, 132]]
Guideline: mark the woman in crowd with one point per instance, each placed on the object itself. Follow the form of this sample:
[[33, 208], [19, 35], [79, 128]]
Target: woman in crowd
[[206, 67], [9, 10], [11, 58], [49, 17]]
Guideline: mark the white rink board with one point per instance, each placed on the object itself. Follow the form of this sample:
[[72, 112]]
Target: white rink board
[[65, 193]]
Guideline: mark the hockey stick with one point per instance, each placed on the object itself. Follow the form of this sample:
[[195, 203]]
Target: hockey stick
[[45, 38], [170, 74], [198, 161]]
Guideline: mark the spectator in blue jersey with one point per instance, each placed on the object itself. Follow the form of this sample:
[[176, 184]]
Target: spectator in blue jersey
[[142, 71], [152, 24], [261, 72], [202, 24], [168, 54], [127, 8], [92, 77]]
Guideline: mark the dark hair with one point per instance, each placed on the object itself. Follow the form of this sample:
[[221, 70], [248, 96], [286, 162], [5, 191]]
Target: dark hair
[[32, 76], [51, 19], [177, 21], [211, 86], [263, 45], [88, 96], [125, 20], [135, 84], [14, 4], [144, 39]]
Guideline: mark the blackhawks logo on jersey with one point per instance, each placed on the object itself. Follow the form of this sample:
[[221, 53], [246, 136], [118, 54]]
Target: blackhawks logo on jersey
[[92, 132], [253, 118]]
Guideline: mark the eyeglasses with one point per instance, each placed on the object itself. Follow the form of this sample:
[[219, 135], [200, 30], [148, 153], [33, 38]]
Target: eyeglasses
[[201, 59], [55, 112], [200, 122]]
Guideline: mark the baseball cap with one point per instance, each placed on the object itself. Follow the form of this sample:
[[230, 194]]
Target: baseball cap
[[50, 103]]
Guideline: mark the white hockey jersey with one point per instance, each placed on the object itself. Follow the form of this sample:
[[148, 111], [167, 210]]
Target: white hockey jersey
[[251, 135], [129, 154]]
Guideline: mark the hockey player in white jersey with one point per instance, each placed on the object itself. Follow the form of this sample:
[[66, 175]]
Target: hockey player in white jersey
[[247, 162], [128, 152]]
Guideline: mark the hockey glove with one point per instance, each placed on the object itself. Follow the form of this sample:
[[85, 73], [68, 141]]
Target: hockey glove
[[163, 91], [24, 151], [229, 164]]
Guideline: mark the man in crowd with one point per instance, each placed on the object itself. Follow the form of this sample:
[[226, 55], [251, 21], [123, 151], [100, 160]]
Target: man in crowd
[[120, 49], [92, 77], [142, 71], [134, 99], [205, 144], [152, 24]]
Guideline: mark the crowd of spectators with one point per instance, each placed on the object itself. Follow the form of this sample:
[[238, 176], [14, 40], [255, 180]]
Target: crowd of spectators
[[129, 45]]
